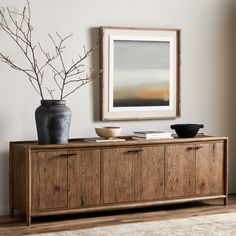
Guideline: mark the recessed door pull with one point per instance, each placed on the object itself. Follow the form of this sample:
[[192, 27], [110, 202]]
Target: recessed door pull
[[199, 147], [71, 154], [134, 151], [195, 147]]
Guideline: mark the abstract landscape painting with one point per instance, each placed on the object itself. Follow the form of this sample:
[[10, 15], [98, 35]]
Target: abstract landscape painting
[[141, 73]]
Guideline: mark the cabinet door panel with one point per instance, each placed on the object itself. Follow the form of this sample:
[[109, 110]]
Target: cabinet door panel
[[180, 171], [118, 175], [149, 174], [209, 169], [84, 178], [49, 180]]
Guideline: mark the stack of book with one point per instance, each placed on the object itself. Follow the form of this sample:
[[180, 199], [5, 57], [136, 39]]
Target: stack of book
[[152, 135]]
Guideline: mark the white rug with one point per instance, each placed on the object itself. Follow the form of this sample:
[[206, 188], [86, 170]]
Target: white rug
[[209, 225]]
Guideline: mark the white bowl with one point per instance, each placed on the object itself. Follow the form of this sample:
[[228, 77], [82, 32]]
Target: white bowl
[[108, 132]]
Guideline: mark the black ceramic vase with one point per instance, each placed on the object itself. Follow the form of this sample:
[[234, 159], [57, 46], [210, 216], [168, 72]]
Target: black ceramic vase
[[53, 122]]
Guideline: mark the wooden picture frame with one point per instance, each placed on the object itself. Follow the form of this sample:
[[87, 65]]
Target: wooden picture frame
[[140, 73]]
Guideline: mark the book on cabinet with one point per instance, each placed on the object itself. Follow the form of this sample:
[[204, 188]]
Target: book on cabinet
[[150, 138], [152, 134]]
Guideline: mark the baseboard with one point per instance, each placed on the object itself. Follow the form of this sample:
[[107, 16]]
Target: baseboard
[[4, 211]]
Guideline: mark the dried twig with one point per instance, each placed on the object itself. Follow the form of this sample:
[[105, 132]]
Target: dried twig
[[82, 82], [50, 92], [21, 34], [23, 41]]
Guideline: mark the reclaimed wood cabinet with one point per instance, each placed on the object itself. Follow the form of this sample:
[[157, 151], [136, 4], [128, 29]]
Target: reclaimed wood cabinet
[[209, 171], [206, 160], [82, 177], [63, 179], [133, 174], [49, 180], [180, 170]]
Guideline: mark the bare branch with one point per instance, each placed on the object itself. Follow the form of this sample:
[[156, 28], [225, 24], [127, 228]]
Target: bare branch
[[55, 79], [17, 28], [83, 82], [30, 79], [21, 34], [23, 41], [48, 62], [4, 23], [87, 53], [48, 57], [76, 73], [76, 80], [23, 18], [74, 69], [8, 61], [63, 39], [50, 92]]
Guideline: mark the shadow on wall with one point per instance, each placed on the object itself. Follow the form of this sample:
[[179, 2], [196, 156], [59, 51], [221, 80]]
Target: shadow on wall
[[232, 99], [94, 37], [232, 143]]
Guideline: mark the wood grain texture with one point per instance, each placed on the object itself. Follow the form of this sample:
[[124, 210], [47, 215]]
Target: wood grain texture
[[79, 143], [210, 168], [118, 182], [83, 178], [149, 174], [11, 209], [180, 171], [49, 180], [226, 169], [18, 179], [28, 187], [126, 205]]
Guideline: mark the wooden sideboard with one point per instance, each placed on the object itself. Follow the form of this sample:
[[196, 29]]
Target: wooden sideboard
[[82, 177]]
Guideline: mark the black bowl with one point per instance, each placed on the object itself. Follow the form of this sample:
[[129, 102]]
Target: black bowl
[[186, 130]]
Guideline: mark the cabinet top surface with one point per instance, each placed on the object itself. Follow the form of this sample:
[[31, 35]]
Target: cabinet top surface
[[80, 143]]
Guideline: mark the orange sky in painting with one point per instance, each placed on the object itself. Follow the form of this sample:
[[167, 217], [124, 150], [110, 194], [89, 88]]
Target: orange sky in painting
[[147, 92], [164, 94]]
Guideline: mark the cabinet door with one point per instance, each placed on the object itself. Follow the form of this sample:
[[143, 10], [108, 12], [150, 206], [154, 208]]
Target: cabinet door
[[180, 170], [149, 174], [49, 180], [84, 178], [118, 175], [209, 168]]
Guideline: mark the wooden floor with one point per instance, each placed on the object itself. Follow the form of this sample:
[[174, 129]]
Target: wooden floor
[[16, 226]]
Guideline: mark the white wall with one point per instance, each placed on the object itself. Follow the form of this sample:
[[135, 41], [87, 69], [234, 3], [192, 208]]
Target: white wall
[[207, 71]]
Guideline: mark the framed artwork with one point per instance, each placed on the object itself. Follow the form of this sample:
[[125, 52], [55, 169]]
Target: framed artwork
[[140, 73]]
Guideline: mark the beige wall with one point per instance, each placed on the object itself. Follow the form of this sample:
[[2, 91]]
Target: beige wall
[[207, 72]]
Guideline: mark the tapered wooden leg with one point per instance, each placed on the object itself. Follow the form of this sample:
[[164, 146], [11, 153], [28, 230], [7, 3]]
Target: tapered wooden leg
[[28, 220], [11, 212], [226, 201]]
